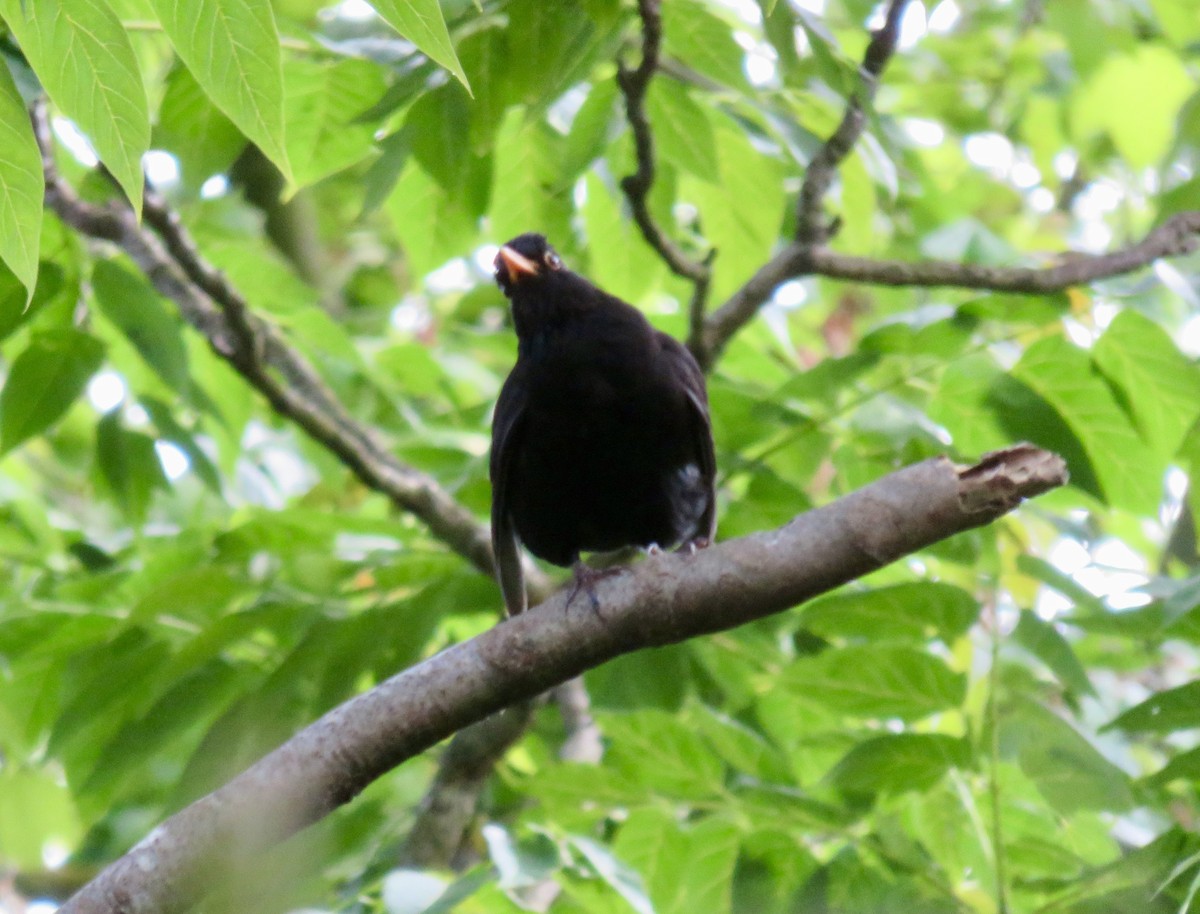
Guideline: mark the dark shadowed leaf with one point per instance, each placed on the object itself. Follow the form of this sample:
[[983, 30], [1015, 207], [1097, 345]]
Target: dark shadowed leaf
[[44, 381]]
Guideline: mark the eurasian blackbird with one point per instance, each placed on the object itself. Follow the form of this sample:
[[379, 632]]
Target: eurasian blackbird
[[601, 438]]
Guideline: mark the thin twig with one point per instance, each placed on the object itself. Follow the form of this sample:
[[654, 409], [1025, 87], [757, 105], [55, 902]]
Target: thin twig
[[811, 228], [1178, 235], [443, 819], [634, 83]]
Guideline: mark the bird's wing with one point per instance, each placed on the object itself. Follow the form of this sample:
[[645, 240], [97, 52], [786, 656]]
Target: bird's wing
[[684, 367], [507, 427]]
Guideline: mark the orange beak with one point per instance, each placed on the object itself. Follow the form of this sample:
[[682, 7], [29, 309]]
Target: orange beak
[[515, 265]]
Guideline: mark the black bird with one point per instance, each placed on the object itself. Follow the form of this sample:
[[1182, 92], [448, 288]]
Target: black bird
[[601, 438]]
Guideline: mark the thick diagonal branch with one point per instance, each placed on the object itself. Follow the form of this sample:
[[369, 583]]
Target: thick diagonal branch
[[662, 601]]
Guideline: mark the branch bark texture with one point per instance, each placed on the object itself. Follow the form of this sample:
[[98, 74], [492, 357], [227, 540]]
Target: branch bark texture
[[666, 599]]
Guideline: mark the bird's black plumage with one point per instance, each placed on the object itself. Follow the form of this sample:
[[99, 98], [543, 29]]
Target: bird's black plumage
[[601, 437]]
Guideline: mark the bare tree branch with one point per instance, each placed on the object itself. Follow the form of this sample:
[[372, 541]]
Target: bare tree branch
[[436, 838], [662, 601], [1178, 235], [583, 741], [634, 84]]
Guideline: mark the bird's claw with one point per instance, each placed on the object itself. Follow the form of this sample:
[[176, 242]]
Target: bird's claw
[[692, 546], [585, 578]]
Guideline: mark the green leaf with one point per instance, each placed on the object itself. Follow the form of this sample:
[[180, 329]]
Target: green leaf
[[1178, 19], [744, 749], [435, 125], [657, 748], [1067, 769], [197, 132], [1159, 386], [692, 33], [323, 103], [36, 809], [918, 611], [590, 129], [682, 131], [1044, 641], [557, 44], [16, 308], [1135, 98], [197, 595], [485, 61], [653, 678], [1129, 474], [899, 763], [44, 381], [421, 22], [190, 700], [686, 868], [876, 681], [742, 213], [623, 879], [129, 302], [1163, 712], [170, 430], [431, 224], [1184, 766], [1041, 570], [523, 192], [961, 405], [619, 260], [231, 47], [129, 465], [81, 53], [21, 186]]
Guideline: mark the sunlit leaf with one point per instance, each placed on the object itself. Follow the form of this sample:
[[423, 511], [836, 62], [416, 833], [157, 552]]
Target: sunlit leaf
[[82, 55], [44, 381], [421, 22], [882, 681], [917, 611], [1062, 375], [1159, 386], [899, 762], [232, 49], [21, 186]]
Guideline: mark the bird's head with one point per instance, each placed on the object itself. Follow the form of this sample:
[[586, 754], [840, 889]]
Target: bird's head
[[526, 262]]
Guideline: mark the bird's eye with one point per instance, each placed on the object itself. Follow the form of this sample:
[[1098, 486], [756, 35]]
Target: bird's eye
[[552, 260]]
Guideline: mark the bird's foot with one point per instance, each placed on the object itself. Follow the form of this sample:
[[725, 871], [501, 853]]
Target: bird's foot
[[692, 546], [654, 549], [585, 578]]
